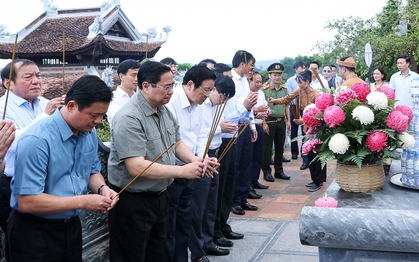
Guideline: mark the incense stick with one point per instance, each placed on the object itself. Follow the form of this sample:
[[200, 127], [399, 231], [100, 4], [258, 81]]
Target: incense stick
[[10, 76], [63, 90], [318, 77], [139, 174], [232, 142]]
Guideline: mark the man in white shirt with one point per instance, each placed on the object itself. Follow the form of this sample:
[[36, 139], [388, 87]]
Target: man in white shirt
[[185, 105], [127, 73], [401, 81], [315, 83], [25, 107]]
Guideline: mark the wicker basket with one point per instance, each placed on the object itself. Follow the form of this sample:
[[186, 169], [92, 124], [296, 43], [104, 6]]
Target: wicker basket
[[351, 178]]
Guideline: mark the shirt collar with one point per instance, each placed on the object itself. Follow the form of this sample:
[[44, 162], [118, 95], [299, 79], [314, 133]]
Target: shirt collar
[[236, 76], [62, 125], [184, 101], [145, 105], [20, 101]]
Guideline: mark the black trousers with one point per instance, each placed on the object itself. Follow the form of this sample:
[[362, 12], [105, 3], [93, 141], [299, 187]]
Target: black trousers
[[225, 190], [277, 131], [138, 227], [5, 208], [34, 239], [256, 157], [318, 174]]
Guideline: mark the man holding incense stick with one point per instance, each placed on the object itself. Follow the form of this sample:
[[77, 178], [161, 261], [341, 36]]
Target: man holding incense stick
[[185, 105], [56, 163], [143, 128], [25, 106]]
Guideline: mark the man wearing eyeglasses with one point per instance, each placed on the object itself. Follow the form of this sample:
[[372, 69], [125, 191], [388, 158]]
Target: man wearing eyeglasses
[[144, 128], [315, 82], [327, 74], [185, 105]]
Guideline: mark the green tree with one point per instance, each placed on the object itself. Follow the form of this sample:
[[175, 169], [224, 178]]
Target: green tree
[[183, 67]]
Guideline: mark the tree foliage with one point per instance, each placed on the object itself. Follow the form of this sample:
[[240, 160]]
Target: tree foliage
[[384, 33]]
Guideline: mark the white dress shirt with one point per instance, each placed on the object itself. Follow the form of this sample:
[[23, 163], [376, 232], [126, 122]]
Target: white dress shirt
[[242, 91], [120, 98]]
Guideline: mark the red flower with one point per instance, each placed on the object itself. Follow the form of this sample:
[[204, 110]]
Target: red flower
[[398, 121], [389, 92], [345, 96], [334, 116], [405, 110], [361, 90], [309, 117], [376, 141], [324, 100], [310, 145]]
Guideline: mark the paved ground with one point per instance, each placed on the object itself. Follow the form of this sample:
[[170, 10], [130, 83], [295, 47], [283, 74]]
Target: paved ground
[[272, 232]]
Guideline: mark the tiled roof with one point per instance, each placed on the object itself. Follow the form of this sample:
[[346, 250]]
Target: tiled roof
[[47, 38]]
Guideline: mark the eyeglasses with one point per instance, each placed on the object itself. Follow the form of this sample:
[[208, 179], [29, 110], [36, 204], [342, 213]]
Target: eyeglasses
[[326, 71], [166, 87], [207, 92]]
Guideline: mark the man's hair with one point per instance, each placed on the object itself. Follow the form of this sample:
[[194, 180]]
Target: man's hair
[[87, 90], [168, 61], [220, 68], [332, 66], [207, 61], [327, 65], [350, 69], [314, 62], [127, 65], [151, 72], [405, 57], [298, 64], [197, 74], [6, 70], [242, 56], [225, 85], [304, 76]]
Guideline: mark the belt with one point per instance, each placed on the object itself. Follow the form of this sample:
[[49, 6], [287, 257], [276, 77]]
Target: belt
[[144, 193], [53, 220], [227, 139], [277, 119], [7, 177], [213, 151]]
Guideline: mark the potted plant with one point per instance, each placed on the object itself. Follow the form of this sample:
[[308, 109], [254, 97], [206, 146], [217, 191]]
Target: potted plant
[[359, 129]]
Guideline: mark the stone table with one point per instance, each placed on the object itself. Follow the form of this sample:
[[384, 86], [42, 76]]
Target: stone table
[[377, 226]]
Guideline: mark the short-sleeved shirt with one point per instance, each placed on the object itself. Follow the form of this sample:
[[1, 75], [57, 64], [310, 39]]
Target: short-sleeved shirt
[[292, 84], [23, 114], [270, 91], [401, 85], [51, 159], [139, 131]]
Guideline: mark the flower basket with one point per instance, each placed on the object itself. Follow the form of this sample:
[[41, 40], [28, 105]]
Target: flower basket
[[368, 178]]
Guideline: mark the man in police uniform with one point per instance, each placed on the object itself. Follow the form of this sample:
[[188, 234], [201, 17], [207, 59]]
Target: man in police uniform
[[276, 125]]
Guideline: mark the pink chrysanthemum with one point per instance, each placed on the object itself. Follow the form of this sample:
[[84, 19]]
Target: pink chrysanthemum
[[333, 116], [389, 92], [361, 90], [405, 110], [345, 96], [310, 145], [309, 117], [376, 141], [398, 121], [324, 100], [310, 131]]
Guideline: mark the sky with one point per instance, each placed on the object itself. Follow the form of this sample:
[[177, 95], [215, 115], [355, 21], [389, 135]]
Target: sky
[[216, 29]]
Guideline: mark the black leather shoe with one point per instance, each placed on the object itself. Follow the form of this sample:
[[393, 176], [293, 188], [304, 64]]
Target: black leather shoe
[[223, 242], [269, 178], [201, 259], [285, 160], [282, 176], [238, 210], [233, 235], [217, 251], [253, 195], [303, 166], [294, 156], [259, 185], [248, 206]]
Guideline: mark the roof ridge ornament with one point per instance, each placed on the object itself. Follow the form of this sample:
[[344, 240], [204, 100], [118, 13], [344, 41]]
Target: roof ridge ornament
[[108, 4], [49, 8]]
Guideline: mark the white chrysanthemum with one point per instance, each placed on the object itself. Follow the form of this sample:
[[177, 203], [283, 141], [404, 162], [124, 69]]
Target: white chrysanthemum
[[378, 100], [339, 143], [407, 139], [363, 114], [308, 106]]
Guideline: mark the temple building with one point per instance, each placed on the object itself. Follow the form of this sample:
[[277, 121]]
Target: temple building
[[92, 39]]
